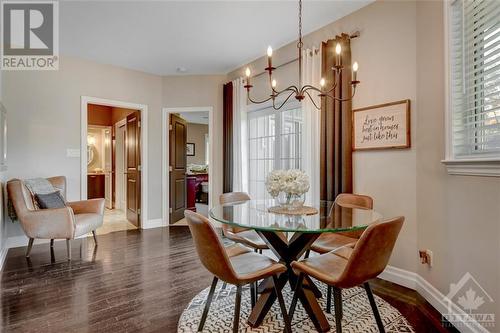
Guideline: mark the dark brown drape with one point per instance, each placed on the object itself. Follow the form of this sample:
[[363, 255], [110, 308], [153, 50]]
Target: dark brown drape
[[336, 124], [227, 136]]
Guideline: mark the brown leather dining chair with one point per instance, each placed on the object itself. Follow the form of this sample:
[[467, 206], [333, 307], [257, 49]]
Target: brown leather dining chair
[[343, 242], [367, 260], [239, 270], [243, 236]]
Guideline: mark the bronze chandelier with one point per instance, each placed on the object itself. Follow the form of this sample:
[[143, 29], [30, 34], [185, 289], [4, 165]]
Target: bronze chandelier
[[302, 91]]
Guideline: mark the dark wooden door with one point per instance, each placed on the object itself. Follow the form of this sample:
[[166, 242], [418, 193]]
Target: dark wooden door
[[133, 149], [178, 137]]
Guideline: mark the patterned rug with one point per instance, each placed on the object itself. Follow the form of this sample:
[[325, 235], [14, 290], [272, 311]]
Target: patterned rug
[[358, 316]]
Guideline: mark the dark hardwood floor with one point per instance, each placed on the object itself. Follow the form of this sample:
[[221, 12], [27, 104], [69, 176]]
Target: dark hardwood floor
[[134, 281]]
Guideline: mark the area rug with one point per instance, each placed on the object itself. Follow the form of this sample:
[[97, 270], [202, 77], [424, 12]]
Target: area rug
[[358, 316]]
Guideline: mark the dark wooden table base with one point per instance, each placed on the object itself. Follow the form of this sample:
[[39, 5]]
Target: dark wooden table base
[[288, 252]]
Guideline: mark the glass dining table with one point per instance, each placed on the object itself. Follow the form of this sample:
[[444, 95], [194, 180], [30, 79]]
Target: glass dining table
[[289, 237]]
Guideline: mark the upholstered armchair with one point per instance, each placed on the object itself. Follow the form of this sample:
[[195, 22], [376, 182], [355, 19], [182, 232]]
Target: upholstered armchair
[[76, 219]]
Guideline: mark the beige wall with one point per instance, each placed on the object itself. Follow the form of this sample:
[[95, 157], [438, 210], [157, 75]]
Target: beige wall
[[196, 134], [44, 120], [200, 91], [458, 216], [387, 57]]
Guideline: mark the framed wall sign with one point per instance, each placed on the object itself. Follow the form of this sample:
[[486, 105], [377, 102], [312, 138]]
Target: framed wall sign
[[190, 149], [383, 126]]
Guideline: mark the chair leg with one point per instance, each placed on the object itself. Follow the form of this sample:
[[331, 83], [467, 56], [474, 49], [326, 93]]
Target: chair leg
[[51, 243], [308, 252], [288, 327], [95, 237], [337, 297], [329, 300], [376, 314], [260, 251], [236, 321], [207, 304], [298, 287], [252, 294], [68, 248], [30, 245]]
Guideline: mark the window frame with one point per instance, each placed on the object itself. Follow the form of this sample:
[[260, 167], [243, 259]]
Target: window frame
[[267, 109], [470, 166]]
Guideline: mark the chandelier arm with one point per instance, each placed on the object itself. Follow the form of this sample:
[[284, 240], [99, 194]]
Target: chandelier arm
[[290, 88], [310, 87], [312, 100], [258, 102], [281, 105], [343, 99]]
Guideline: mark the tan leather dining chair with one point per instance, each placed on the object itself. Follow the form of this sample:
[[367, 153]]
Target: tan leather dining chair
[[76, 219], [341, 242], [239, 270], [330, 241], [368, 259], [243, 236]]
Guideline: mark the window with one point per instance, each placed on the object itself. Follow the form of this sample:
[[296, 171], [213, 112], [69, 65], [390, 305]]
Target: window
[[274, 142], [474, 80]]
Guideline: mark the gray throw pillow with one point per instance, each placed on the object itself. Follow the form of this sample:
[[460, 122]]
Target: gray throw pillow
[[50, 200]]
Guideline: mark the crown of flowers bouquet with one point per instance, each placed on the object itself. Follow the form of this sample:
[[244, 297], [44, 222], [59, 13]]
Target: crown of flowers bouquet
[[292, 181]]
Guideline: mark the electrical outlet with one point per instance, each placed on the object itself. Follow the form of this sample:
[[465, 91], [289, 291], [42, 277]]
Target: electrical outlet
[[426, 257]]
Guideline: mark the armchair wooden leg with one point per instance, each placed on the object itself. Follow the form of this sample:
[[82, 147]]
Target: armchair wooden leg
[[68, 248], [95, 237], [30, 245], [51, 243], [207, 304], [337, 297], [237, 305], [286, 319], [376, 314]]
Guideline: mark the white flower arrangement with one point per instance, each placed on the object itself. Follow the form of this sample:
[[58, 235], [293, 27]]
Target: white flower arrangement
[[292, 182]]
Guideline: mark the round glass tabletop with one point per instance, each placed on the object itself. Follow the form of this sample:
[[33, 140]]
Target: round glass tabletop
[[331, 217]]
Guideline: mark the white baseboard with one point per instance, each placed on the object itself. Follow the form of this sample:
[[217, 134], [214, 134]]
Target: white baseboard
[[436, 298], [156, 223]]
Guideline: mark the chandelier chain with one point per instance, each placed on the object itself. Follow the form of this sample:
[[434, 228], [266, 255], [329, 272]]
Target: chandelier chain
[[299, 44]]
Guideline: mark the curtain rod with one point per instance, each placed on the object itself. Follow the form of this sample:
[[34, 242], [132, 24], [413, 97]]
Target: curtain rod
[[353, 35]]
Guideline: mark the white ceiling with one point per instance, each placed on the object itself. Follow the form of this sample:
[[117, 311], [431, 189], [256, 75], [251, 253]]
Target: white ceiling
[[205, 37], [200, 117]]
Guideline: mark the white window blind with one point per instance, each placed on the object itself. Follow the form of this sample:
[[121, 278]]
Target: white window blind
[[475, 78]]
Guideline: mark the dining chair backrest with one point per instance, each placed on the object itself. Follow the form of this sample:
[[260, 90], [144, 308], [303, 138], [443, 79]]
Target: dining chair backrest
[[209, 247], [232, 197], [371, 253], [356, 200]]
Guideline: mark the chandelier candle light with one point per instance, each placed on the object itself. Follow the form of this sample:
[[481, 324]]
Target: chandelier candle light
[[301, 91]]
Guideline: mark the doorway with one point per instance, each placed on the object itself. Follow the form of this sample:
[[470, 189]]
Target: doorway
[[112, 167], [187, 157]]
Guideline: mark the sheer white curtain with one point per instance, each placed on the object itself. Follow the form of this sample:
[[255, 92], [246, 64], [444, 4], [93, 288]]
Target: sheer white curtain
[[240, 138], [311, 74]]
